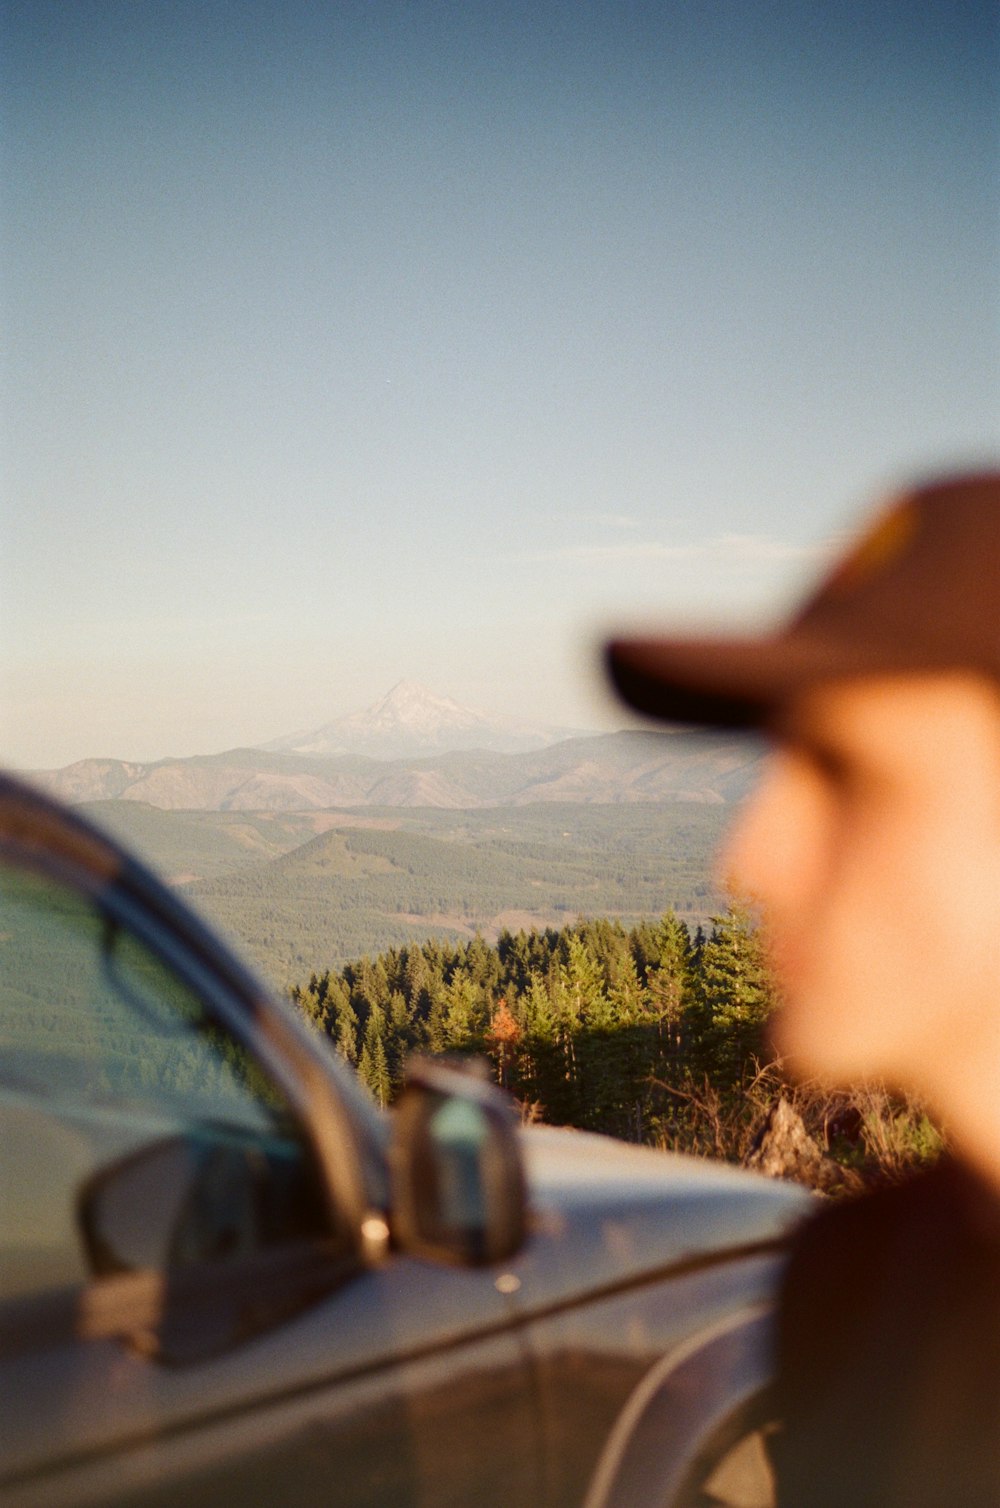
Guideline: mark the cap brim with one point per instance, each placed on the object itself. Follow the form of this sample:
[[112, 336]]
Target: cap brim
[[729, 683]]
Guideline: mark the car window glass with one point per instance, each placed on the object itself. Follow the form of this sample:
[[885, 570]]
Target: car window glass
[[136, 1133], [89, 1015]]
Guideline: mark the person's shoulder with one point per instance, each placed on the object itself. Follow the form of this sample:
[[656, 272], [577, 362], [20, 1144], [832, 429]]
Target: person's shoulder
[[889, 1317], [855, 1256], [888, 1215]]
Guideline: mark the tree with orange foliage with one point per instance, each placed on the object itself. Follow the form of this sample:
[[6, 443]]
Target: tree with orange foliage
[[502, 1038]]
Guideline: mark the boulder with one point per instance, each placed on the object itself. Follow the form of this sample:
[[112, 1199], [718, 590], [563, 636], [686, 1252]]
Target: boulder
[[783, 1148]]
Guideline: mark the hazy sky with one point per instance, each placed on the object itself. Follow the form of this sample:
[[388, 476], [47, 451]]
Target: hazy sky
[[346, 342]]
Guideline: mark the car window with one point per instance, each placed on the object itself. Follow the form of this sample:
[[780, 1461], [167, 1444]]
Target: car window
[[89, 1016], [137, 1134]]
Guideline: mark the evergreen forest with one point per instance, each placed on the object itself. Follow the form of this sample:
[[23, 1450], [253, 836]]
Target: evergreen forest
[[655, 1033], [595, 1025]]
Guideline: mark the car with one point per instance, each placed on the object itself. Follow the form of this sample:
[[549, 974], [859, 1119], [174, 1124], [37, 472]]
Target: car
[[226, 1276]]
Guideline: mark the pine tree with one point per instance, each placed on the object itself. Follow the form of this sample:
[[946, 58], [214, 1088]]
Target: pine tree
[[374, 1063], [581, 983], [734, 998], [465, 1015], [514, 953], [482, 964], [543, 1066], [416, 976], [343, 1021], [669, 985]]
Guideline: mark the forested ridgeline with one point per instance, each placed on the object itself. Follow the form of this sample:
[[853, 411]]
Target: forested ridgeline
[[592, 1025], [652, 1033]]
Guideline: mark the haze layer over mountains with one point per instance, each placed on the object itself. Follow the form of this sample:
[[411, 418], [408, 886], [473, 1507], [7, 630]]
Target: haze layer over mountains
[[413, 748]]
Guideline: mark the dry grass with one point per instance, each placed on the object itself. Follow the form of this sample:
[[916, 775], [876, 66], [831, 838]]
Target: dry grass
[[864, 1137]]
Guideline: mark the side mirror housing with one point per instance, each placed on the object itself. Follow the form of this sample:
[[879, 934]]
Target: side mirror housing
[[456, 1172]]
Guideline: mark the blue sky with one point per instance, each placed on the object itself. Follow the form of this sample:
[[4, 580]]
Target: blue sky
[[353, 342]]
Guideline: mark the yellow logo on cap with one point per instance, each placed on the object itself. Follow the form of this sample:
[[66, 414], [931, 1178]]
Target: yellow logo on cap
[[884, 542]]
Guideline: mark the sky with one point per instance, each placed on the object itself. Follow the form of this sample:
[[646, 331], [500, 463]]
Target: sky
[[347, 343]]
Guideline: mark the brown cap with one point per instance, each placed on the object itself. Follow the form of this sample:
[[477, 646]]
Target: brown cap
[[920, 590]]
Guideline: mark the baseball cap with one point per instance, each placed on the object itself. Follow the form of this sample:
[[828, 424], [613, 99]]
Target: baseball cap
[[919, 590]]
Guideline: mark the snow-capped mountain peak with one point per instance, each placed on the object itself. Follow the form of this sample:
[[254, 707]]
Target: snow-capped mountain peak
[[410, 720], [415, 708]]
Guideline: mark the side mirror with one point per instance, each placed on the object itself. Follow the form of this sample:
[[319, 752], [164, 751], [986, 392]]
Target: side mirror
[[234, 1227], [457, 1178]]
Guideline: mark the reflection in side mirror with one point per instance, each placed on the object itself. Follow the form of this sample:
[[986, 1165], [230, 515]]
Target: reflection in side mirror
[[458, 1192], [192, 1200]]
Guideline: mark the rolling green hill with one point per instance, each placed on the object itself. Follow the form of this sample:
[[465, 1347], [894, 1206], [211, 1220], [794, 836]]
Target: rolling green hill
[[353, 890], [185, 846], [300, 891]]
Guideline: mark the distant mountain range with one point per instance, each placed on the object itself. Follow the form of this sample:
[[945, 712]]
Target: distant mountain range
[[325, 846], [305, 891], [411, 720], [679, 765]]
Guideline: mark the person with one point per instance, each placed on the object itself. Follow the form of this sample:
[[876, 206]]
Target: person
[[872, 849]]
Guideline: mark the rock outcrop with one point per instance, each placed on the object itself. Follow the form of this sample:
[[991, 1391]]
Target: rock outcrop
[[783, 1148]]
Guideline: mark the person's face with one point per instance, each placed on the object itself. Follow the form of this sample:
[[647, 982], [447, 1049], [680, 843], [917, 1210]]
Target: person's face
[[873, 849]]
